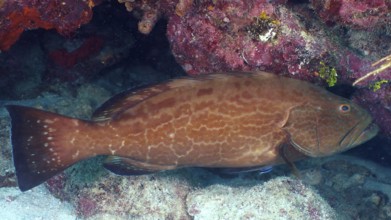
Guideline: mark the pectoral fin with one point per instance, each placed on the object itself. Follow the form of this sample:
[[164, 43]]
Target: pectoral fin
[[127, 166], [291, 165]]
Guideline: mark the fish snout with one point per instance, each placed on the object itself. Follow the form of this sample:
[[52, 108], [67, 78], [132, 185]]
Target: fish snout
[[368, 133], [360, 133]]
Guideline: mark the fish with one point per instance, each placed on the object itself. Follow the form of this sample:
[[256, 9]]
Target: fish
[[242, 120]]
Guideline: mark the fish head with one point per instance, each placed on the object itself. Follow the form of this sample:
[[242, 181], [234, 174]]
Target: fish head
[[328, 126]]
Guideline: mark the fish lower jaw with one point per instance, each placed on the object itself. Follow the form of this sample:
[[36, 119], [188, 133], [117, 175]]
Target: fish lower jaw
[[368, 133]]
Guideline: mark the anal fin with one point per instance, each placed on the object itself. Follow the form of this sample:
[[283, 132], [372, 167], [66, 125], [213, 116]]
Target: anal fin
[[127, 166], [238, 170]]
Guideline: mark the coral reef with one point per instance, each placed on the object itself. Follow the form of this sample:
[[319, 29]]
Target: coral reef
[[205, 35], [144, 197], [350, 188], [73, 60], [279, 198], [63, 15], [379, 104], [335, 47], [209, 36], [353, 13], [327, 73], [280, 37], [341, 178], [225, 39], [152, 11], [332, 188]]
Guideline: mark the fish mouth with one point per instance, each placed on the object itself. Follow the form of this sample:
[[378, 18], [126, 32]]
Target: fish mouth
[[359, 134], [368, 133]]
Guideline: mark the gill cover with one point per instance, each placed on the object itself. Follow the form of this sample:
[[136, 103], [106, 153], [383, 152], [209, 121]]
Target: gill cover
[[332, 127], [302, 129]]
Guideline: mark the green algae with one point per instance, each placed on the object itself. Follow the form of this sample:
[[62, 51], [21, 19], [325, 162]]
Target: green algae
[[328, 73], [378, 84]]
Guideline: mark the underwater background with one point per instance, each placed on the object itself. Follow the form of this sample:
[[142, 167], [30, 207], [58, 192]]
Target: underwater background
[[69, 57]]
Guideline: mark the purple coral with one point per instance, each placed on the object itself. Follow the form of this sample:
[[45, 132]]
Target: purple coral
[[353, 13], [56, 185], [86, 207], [218, 37]]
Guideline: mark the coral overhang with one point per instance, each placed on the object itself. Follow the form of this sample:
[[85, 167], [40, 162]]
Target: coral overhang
[[65, 16]]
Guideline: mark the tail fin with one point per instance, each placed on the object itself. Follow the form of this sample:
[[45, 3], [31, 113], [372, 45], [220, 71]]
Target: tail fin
[[39, 147]]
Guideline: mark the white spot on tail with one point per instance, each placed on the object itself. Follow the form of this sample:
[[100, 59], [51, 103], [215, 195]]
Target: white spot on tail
[[75, 155], [48, 121]]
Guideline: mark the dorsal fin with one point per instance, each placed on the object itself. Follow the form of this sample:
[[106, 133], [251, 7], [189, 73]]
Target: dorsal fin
[[129, 98], [125, 100]]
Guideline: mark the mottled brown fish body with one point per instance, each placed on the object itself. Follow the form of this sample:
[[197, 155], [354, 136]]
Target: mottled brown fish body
[[219, 120]]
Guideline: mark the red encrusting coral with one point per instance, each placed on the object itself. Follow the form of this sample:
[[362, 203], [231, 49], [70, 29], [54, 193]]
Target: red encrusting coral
[[67, 59], [63, 15]]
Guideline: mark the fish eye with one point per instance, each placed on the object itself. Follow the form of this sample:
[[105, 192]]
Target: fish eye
[[344, 108]]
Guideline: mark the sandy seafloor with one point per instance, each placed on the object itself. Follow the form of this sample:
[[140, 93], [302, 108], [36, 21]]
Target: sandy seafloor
[[355, 185]]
